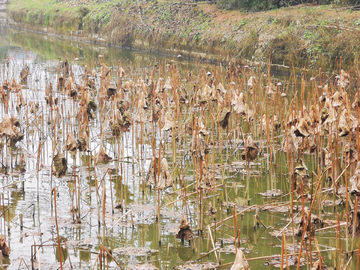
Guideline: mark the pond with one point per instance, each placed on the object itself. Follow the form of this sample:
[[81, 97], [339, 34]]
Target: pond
[[185, 125]]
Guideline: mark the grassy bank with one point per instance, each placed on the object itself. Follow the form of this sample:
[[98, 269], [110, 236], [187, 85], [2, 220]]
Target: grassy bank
[[310, 36]]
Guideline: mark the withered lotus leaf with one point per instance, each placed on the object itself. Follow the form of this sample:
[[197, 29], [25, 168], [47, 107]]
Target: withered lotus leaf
[[184, 231], [60, 165], [5, 250], [301, 179], [101, 156], [240, 262], [165, 180]]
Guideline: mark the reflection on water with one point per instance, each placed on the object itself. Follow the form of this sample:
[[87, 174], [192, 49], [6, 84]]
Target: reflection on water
[[31, 193]]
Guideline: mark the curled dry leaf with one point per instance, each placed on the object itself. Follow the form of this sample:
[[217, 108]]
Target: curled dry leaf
[[315, 223], [60, 165], [290, 142], [224, 117], [169, 122], [5, 250], [206, 179], [91, 108], [25, 72], [212, 210], [70, 143], [101, 156], [83, 142], [198, 146], [251, 150], [301, 179], [302, 129], [240, 262], [111, 90], [165, 179], [184, 231]]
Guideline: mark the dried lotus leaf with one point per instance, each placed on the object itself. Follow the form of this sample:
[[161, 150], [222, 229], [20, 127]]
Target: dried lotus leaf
[[101, 156], [60, 165]]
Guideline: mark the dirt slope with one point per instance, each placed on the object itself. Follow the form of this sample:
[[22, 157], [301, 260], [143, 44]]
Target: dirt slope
[[310, 36]]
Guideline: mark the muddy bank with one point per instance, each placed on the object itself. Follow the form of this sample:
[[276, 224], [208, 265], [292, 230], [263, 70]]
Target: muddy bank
[[303, 36]]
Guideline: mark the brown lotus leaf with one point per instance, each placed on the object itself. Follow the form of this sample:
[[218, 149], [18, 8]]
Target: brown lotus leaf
[[198, 146], [240, 105], [6, 127], [33, 106], [207, 93], [319, 265], [355, 181], [25, 72], [212, 210], [347, 123], [18, 135], [101, 156], [128, 86], [291, 143], [83, 142], [350, 154], [308, 145], [292, 119], [251, 150], [302, 129], [111, 90], [59, 165], [184, 231], [91, 108], [169, 122], [206, 178], [154, 170], [5, 250], [124, 106], [314, 223], [301, 179], [61, 83], [15, 122], [315, 114], [20, 102], [224, 117], [183, 96], [70, 143], [338, 99], [165, 180], [240, 262]]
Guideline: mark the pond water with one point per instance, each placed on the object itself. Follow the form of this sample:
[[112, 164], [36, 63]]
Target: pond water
[[137, 236]]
